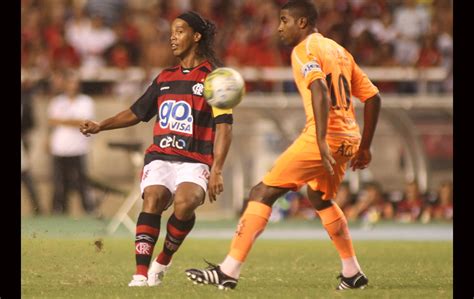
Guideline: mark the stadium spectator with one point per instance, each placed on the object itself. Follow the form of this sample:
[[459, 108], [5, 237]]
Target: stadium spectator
[[27, 124], [76, 26], [429, 54], [344, 198], [154, 31], [442, 31], [411, 22], [401, 23], [63, 55], [300, 206], [90, 38], [27, 179], [67, 145], [410, 207], [110, 10], [369, 20], [370, 205], [384, 58], [125, 51], [385, 31], [365, 48], [442, 207]]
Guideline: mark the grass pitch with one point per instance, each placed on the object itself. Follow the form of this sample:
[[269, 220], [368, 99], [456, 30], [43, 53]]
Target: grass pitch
[[90, 267]]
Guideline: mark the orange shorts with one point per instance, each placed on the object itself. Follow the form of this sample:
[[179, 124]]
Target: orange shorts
[[301, 164]]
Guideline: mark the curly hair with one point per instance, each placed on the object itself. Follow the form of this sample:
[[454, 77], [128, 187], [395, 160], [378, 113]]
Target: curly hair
[[206, 44], [207, 29]]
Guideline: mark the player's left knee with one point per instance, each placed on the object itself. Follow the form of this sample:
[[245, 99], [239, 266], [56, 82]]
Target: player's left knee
[[186, 206], [184, 211], [321, 204]]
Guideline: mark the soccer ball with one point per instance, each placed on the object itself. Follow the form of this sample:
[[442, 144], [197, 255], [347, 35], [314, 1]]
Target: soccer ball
[[224, 88]]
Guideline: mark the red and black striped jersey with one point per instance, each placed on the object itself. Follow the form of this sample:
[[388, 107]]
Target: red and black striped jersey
[[185, 123]]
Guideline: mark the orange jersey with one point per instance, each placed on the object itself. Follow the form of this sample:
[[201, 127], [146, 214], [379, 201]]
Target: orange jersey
[[318, 57]]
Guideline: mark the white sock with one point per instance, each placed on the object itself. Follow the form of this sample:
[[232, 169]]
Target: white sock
[[231, 267], [350, 267]]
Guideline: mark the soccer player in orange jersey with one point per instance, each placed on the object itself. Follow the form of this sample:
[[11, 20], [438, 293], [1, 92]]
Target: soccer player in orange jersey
[[326, 76]]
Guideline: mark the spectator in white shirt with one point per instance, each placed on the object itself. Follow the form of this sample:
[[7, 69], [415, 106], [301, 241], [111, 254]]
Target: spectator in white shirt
[[411, 22], [90, 38], [68, 146]]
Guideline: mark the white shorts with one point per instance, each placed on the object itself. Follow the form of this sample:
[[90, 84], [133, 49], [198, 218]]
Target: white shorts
[[172, 173]]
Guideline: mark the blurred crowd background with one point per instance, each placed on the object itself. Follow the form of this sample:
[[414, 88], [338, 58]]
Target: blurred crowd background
[[95, 33], [372, 204], [86, 35]]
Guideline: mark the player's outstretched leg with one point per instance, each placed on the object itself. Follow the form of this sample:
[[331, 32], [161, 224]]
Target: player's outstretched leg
[[335, 223], [212, 275], [358, 281], [176, 232], [251, 225], [156, 198], [187, 198], [147, 231]]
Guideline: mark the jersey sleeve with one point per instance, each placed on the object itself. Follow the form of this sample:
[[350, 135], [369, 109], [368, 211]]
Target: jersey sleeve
[[145, 107], [310, 62], [361, 86], [222, 116]]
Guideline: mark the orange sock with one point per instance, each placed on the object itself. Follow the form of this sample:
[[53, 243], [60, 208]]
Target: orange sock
[[251, 224], [335, 223]]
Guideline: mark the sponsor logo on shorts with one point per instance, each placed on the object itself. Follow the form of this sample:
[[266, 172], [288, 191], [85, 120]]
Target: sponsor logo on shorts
[[345, 150], [145, 174], [198, 88], [176, 116], [172, 141], [204, 174], [310, 67]]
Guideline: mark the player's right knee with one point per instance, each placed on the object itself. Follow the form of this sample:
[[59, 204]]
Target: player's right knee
[[257, 193], [263, 194], [155, 200], [321, 204]]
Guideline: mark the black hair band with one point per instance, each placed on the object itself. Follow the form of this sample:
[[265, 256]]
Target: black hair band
[[195, 21]]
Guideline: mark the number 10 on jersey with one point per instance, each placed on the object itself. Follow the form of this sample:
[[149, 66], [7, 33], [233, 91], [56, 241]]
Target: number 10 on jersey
[[343, 98]]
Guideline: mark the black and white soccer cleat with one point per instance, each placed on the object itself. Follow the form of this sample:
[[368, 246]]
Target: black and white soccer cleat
[[212, 276], [358, 281]]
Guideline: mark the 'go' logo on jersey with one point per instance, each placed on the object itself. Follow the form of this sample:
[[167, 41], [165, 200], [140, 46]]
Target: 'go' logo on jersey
[[177, 116]]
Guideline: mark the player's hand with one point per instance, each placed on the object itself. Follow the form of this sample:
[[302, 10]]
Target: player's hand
[[215, 185], [326, 157], [361, 159], [88, 127]]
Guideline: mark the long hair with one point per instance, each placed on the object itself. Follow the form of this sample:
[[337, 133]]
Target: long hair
[[206, 44], [207, 29]]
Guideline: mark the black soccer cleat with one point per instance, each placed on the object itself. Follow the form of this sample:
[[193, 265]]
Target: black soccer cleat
[[358, 281], [213, 276]]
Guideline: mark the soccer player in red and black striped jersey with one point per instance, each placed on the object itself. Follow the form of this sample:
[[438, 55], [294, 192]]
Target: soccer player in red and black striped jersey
[[190, 143]]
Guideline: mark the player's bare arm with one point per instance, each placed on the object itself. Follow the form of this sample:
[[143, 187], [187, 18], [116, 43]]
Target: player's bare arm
[[64, 122], [321, 102], [371, 114], [123, 119], [222, 142]]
